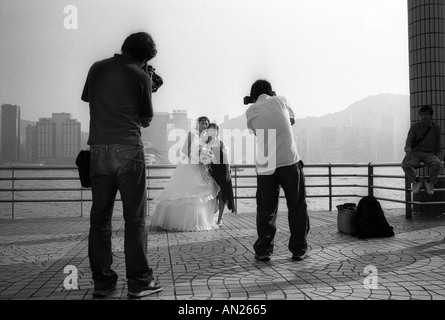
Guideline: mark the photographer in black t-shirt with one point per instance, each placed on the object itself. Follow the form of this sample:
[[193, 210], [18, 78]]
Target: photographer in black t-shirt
[[118, 90]]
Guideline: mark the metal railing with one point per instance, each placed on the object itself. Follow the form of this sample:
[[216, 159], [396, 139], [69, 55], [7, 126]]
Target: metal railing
[[369, 175]]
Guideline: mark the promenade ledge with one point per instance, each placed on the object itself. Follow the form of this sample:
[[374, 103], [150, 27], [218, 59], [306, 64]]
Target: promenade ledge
[[44, 239], [39, 255]]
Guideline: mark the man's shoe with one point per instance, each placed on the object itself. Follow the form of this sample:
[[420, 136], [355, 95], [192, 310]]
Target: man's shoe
[[262, 258], [416, 186], [429, 188], [102, 293], [297, 257], [152, 288]]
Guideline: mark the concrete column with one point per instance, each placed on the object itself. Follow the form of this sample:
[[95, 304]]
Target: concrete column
[[426, 30]]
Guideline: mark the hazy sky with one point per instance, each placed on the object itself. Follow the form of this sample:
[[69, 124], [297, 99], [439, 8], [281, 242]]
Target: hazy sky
[[323, 55]]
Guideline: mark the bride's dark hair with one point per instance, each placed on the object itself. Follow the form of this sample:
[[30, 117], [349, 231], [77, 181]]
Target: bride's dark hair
[[203, 118]]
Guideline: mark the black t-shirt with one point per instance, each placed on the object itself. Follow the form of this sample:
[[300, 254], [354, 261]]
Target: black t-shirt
[[119, 94]]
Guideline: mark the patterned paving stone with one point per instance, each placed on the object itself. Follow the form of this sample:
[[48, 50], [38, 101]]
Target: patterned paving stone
[[220, 264]]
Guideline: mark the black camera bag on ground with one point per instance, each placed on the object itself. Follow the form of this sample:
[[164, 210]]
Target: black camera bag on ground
[[370, 220]]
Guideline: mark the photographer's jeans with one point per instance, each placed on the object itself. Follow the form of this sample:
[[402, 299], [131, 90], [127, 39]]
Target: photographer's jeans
[[118, 168], [291, 179]]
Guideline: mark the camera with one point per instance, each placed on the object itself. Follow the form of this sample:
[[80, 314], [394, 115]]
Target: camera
[[155, 78], [248, 100]]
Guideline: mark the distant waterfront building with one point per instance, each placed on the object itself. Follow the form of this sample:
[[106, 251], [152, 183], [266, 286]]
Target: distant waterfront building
[[302, 145], [10, 135], [350, 143], [30, 143], [45, 140], [366, 147], [179, 119], [386, 140], [59, 119], [71, 140], [156, 134], [155, 137], [58, 139], [330, 145]]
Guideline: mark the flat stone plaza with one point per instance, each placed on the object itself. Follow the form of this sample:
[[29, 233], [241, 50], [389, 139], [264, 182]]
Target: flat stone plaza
[[46, 259]]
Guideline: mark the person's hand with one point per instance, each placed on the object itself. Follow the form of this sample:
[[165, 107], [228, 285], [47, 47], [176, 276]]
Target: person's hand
[[145, 121]]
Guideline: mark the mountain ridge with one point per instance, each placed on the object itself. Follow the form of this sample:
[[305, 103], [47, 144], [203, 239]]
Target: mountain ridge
[[377, 124], [398, 107]]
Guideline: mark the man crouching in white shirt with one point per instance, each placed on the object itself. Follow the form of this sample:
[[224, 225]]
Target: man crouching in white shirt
[[278, 164]]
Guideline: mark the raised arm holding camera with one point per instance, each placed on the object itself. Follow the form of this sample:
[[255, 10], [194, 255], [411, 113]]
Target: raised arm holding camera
[[269, 116]]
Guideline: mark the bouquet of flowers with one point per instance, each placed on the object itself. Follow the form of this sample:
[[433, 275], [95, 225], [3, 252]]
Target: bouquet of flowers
[[206, 155]]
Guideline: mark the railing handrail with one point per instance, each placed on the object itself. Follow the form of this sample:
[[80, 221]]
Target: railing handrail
[[167, 166], [236, 168]]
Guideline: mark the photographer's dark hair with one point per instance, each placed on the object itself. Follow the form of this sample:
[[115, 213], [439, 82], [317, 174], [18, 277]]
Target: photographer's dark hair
[[260, 87], [427, 108], [140, 46]]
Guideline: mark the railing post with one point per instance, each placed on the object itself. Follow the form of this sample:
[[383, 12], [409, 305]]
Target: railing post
[[408, 210], [236, 187], [13, 191], [148, 189], [370, 179], [330, 185], [81, 201], [147, 203]]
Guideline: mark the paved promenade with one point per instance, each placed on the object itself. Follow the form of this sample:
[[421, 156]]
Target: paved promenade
[[36, 256]]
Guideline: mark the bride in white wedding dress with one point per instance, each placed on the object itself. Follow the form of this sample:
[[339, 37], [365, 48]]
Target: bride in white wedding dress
[[189, 200]]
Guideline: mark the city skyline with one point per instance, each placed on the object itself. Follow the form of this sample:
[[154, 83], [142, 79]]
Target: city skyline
[[51, 140], [336, 137]]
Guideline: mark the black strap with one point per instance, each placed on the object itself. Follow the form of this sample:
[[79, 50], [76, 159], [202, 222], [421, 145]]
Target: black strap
[[415, 143]]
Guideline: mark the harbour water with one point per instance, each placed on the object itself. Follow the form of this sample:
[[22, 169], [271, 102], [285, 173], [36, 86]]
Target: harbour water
[[62, 187]]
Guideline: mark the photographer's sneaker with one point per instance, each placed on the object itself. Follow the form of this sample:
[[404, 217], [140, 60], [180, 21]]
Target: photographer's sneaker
[[152, 288], [102, 293], [416, 186], [429, 188], [299, 257], [262, 258]]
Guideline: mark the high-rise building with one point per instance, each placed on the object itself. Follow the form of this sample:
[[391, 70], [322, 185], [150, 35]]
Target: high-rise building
[[155, 137], [10, 136], [302, 145], [45, 140], [30, 143], [385, 139], [57, 139], [71, 140], [59, 119], [179, 119], [330, 145]]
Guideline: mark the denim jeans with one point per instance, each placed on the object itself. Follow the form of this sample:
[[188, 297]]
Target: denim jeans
[[292, 181], [118, 168], [413, 159]]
